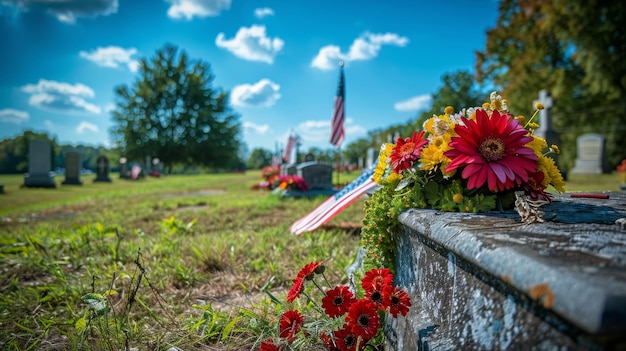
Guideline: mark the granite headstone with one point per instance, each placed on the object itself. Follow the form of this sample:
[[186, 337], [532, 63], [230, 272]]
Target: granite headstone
[[72, 168], [39, 165]]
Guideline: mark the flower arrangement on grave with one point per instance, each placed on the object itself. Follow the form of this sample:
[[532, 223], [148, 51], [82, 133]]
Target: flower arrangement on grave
[[270, 175], [348, 318], [621, 168], [291, 182], [476, 160]]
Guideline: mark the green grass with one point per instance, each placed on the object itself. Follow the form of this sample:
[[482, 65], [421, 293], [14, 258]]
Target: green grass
[[187, 261]]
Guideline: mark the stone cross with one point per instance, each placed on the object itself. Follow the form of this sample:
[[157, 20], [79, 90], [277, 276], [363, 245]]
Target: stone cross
[[545, 130]]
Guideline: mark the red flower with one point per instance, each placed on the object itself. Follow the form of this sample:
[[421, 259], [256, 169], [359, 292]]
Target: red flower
[[407, 151], [346, 339], [363, 318], [376, 278], [337, 301], [296, 290], [534, 186], [330, 342], [399, 302], [492, 151], [268, 345], [379, 295], [290, 324], [308, 271]]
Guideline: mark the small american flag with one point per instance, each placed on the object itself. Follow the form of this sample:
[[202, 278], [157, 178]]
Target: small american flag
[[291, 143], [336, 124], [335, 204]]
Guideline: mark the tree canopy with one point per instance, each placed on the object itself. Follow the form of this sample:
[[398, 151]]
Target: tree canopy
[[173, 112], [574, 49]]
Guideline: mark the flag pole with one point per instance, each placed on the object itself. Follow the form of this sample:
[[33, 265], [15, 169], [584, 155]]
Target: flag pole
[[338, 164]]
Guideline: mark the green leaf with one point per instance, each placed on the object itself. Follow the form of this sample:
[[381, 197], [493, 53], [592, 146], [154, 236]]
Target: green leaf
[[96, 301], [229, 327], [81, 324]]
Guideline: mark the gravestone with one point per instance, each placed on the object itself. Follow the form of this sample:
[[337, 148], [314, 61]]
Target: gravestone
[[102, 170], [318, 176], [39, 165], [309, 158], [289, 169], [72, 168], [124, 170], [590, 154], [371, 154], [488, 282]]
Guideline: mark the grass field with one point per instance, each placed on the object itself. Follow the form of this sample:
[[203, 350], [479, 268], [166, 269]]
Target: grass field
[[186, 261]]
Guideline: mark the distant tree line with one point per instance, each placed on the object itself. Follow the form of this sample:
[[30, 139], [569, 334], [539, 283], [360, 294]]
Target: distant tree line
[[14, 153], [574, 49]]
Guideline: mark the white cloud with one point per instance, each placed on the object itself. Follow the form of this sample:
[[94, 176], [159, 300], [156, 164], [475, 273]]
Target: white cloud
[[318, 131], [61, 97], [415, 103], [260, 129], [112, 56], [263, 12], [365, 47], [86, 126], [10, 115], [264, 93], [251, 44], [67, 10], [199, 8]]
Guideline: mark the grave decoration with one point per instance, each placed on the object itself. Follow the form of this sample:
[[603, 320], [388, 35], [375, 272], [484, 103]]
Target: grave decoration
[[272, 180], [621, 169], [344, 317], [477, 160]]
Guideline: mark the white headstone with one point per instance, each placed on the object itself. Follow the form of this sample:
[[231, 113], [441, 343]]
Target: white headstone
[[590, 154]]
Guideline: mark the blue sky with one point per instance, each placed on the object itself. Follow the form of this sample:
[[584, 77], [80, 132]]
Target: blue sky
[[60, 61]]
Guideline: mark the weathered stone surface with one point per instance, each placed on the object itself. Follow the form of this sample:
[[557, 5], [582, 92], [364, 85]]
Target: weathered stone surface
[[488, 282]]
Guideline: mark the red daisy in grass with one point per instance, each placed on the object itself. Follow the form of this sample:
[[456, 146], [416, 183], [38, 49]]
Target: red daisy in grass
[[330, 342], [398, 301], [376, 278], [296, 290], [337, 301], [310, 269], [346, 339], [363, 318], [290, 324], [379, 295], [492, 151], [268, 345], [407, 151]]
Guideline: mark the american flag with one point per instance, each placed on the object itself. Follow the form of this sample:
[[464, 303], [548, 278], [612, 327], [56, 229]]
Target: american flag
[[335, 204], [336, 124], [291, 143]]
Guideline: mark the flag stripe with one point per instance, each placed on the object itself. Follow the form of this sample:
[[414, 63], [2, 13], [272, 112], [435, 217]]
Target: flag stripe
[[335, 204], [291, 142], [336, 125]]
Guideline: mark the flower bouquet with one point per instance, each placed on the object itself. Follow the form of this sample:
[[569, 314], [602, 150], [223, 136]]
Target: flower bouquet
[[291, 182], [345, 320], [479, 159]]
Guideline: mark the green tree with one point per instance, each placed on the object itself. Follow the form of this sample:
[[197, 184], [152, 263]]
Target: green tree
[[14, 152], [575, 49], [259, 158], [172, 112]]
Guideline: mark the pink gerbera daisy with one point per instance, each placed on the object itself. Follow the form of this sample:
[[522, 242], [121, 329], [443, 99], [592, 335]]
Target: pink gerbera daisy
[[407, 151], [492, 151]]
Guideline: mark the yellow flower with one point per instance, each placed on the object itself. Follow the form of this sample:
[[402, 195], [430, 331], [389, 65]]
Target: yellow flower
[[381, 166], [552, 175], [555, 149], [448, 110], [538, 145], [457, 198], [393, 176], [432, 154], [539, 106], [521, 120]]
